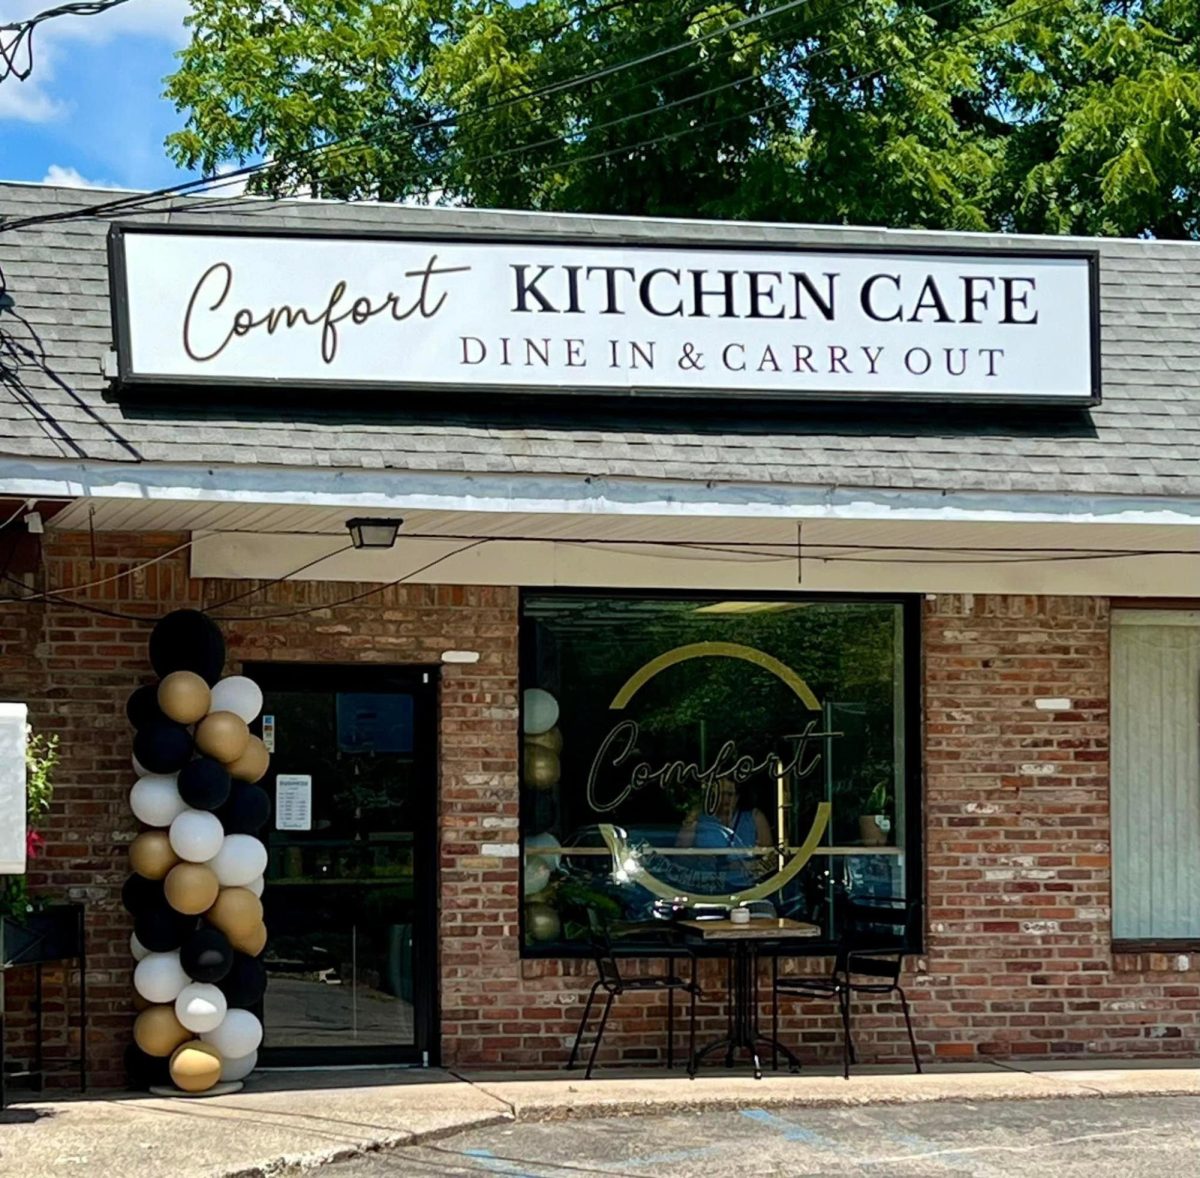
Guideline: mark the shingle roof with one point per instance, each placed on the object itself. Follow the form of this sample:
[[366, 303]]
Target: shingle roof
[[1144, 440]]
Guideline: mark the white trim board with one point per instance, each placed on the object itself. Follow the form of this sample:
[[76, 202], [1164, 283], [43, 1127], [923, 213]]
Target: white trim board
[[570, 494]]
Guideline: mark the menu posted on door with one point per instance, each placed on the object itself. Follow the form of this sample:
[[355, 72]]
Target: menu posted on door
[[293, 801]]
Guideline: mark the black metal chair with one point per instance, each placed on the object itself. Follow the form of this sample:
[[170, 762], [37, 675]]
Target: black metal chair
[[654, 941], [868, 961]]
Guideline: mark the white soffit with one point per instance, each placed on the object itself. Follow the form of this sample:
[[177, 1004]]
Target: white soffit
[[240, 541]]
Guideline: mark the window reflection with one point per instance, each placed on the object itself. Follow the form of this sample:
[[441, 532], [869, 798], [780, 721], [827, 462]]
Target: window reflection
[[701, 752]]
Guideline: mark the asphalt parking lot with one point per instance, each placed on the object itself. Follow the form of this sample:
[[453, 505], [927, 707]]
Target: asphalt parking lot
[[1072, 1138]]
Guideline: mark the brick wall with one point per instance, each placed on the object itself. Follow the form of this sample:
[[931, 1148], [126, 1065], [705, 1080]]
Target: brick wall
[[1018, 960]]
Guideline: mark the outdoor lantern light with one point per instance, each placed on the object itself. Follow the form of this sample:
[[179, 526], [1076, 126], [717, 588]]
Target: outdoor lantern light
[[373, 533]]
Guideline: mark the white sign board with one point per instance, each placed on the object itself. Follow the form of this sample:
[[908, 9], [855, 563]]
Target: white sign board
[[12, 789], [293, 801], [429, 314]]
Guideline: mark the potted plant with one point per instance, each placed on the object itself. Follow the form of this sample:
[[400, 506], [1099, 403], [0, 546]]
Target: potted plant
[[875, 824], [30, 930]]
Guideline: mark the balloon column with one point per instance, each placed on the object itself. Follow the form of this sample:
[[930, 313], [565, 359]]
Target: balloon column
[[542, 772], [198, 932]]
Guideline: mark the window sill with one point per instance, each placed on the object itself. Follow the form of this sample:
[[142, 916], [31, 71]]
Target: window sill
[[1175, 955]]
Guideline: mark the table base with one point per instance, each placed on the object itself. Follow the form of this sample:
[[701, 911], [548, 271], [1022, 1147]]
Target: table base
[[744, 1033]]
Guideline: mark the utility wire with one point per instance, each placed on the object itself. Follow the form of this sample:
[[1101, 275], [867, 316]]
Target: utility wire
[[623, 149], [354, 597], [18, 42], [831, 553], [262, 588], [232, 177]]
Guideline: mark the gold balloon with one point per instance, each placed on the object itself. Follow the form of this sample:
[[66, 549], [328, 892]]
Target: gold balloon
[[195, 1066], [222, 735], [150, 854], [253, 942], [158, 1032], [551, 740], [184, 697], [542, 922], [253, 764], [237, 913], [542, 768], [191, 888]]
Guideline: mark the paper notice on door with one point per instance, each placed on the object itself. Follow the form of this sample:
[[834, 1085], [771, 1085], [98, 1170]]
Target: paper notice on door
[[293, 801]]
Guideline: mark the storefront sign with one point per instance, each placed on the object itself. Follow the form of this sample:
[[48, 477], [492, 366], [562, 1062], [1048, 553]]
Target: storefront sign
[[656, 871], [599, 317]]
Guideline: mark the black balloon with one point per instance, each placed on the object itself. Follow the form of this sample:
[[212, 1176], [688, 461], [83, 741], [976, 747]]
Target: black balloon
[[246, 982], [247, 809], [146, 1071], [160, 928], [204, 783], [142, 707], [139, 893], [206, 956], [163, 748], [188, 640]]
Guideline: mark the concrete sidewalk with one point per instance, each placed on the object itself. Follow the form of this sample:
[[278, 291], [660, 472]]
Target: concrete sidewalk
[[289, 1121]]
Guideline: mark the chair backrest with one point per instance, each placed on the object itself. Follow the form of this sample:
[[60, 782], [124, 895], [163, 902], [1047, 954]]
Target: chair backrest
[[875, 934], [602, 950]]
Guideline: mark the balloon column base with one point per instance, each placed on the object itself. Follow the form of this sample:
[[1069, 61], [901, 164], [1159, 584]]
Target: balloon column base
[[225, 1088]]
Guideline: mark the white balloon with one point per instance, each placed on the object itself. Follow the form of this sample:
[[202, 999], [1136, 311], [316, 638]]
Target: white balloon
[[200, 1007], [138, 767], [159, 977], [138, 950], [241, 859], [540, 711], [239, 695], [539, 868], [537, 842], [196, 835], [537, 876], [255, 886], [239, 1034], [238, 1069], [155, 799]]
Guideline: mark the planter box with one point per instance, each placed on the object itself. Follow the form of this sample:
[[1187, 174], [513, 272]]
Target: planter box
[[51, 934]]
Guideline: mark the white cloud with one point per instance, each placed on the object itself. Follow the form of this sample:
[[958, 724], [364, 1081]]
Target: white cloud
[[162, 19], [67, 177], [33, 101], [25, 103]]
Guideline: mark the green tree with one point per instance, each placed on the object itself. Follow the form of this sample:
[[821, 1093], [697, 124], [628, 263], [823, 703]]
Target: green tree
[[1058, 116]]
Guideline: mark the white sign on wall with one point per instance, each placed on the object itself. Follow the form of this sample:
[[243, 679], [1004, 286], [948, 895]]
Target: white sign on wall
[[543, 316], [293, 801], [12, 788]]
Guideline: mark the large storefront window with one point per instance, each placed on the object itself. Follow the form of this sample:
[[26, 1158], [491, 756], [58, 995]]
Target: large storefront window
[[686, 750]]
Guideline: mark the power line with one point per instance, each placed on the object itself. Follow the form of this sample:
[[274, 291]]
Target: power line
[[277, 580], [671, 136], [832, 552], [238, 174], [354, 597], [21, 42]]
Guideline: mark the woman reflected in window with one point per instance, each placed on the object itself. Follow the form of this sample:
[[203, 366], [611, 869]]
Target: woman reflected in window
[[732, 820]]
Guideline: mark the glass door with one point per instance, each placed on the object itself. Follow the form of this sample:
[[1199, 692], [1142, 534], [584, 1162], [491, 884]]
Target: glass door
[[350, 885]]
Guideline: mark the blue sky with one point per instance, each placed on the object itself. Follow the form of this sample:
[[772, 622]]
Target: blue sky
[[92, 111]]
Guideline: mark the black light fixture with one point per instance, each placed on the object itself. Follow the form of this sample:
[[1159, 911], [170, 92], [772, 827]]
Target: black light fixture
[[373, 533]]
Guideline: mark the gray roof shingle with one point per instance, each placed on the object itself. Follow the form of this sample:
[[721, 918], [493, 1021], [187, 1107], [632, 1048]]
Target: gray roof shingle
[[1145, 439]]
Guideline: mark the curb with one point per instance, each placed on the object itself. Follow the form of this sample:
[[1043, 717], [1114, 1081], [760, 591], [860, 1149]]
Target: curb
[[768, 1097], [282, 1167], [618, 1108]]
